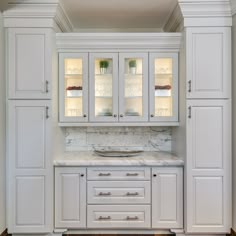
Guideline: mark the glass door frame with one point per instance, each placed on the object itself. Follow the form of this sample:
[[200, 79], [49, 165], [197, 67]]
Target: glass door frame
[[62, 116], [174, 90], [122, 57], [115, 88]]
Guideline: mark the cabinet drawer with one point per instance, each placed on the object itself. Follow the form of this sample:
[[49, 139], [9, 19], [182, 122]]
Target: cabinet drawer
[[119, 173], [119, 192], [122, 216]]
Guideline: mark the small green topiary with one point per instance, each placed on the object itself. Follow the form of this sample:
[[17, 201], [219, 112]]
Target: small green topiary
[[132, 63], [104, 64]]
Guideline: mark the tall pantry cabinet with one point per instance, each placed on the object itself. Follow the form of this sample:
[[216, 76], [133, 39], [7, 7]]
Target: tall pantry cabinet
[[208, 125], [30, 52], [29, 124], [204, 135]]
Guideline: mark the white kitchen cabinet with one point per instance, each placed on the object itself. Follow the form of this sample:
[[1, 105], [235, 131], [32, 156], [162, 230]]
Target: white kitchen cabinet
[[167, 198], [118, 198], [103, 87], [29, 63], [133, 87], [208, 58], [118, 93], [163, 87], [73, 87], [208, 175], [70, 197], [29, 164], [133, 78]]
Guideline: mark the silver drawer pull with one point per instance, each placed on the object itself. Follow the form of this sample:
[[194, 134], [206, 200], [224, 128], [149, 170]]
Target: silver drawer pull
[[104, 174], [104, 218], [131, 174], [132, 194], [131, 218], [104, 194]]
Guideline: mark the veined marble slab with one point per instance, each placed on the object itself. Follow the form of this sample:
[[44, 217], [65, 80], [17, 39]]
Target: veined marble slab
[[142, 159]]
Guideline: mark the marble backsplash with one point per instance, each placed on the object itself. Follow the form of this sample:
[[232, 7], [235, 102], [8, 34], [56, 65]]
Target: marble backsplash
[[149, 138]]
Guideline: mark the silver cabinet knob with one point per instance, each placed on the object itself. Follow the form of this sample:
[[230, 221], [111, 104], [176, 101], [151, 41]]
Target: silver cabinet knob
[[121, 115], [84, 115], [152, 115], [115, 115]]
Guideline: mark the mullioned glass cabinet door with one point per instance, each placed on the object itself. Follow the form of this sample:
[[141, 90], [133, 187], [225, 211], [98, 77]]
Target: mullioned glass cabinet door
[[73, 73], [133, 85], [103, 87], [163, 87]]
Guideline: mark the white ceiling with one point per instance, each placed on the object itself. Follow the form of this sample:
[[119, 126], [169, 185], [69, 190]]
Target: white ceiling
[[119, 15]]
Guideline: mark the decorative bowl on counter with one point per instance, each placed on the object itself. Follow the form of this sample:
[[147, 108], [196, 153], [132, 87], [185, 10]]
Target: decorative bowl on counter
[[117, 151]]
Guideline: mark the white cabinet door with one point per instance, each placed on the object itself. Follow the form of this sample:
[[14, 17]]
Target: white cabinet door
[[133, 87], [73, 76], [29, 200], [70, 197], [208, 167], [103, 87], [163, 87], [29, 63], [167, 198], [208, 54]]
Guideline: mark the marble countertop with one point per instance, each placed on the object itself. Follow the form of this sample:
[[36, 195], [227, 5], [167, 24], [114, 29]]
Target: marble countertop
[[142, 159]]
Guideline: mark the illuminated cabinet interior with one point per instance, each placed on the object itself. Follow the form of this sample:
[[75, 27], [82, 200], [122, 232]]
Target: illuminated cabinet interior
[[119, 87]]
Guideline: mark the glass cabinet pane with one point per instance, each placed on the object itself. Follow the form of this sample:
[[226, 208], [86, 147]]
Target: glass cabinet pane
[[73, 86], [103, 86], [163, 86], [133, 94], [133, 87]]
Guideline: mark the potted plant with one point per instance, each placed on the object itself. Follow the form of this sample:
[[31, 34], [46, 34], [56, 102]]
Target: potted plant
[[132, 66], [103, 66]]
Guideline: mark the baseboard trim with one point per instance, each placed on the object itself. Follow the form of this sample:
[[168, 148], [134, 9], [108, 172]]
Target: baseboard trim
[[4, 233]]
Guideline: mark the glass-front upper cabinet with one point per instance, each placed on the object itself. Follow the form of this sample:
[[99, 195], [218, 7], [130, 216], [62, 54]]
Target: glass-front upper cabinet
[[103, 87], [133, 85], [163, 86], [73, 72]]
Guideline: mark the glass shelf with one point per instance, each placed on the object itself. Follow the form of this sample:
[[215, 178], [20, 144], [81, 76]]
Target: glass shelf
[[74, 96], [103, 96], [130, 97], [66, 74], [104, 75]]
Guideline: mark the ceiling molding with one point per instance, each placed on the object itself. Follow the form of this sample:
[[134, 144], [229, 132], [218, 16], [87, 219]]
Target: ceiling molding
[[205, 8], [233, 6], [93, 41], [175, 20], [37, 9]]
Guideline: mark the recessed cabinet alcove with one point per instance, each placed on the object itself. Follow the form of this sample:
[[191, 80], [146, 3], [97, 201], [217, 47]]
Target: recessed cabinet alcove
[[116, 82]]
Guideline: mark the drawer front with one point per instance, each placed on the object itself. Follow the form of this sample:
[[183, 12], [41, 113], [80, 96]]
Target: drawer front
[[118, 173], [122, 216], [119, 192]]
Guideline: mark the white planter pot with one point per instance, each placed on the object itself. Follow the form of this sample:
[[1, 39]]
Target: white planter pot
[[74, 93], [103, 70], [163, 92], [132, 70]]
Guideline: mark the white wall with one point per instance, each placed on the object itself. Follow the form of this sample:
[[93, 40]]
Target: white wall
[[2, 132], [234, 120]]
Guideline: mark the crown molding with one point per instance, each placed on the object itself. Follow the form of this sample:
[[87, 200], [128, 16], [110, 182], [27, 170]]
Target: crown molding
[[205, 8], [175, 20], [233, 6], [41, 10], [119, 41]]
